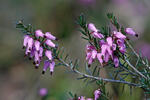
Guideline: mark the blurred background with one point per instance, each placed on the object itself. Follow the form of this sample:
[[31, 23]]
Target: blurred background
[[19, 80]]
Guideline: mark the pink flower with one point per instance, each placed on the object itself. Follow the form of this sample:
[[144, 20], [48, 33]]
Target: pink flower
[[121, 45], [39, 33], [50, 43], [119, 35], [131, 32], [52, 66], [109, 41], [97, 94], [36, 58], [94, 31], [46, 65], [99, 57], [41, 52], [25, 42], [91, 54], [81, 98], [43, 92], [116, 61], [48, 35], [37, 45], [48, 54], [30, 43]]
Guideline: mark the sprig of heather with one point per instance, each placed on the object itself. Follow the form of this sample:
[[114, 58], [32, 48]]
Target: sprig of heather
[[38, 45]]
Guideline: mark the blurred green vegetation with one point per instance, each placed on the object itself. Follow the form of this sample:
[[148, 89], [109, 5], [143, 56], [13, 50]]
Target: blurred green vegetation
[[20, 80]]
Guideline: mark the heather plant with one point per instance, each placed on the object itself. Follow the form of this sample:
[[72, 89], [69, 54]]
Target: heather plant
[[108, 48]]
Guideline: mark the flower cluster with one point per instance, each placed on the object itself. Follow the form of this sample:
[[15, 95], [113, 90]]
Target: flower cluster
[[109, 46], [97, 94], [39, 45]]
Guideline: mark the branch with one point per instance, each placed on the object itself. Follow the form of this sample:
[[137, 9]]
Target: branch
[[97, 78], [135, 69], [137, 55]]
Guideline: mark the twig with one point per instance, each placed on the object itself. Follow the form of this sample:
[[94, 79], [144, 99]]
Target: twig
[[97, 78], [135, 69], [137, 54]]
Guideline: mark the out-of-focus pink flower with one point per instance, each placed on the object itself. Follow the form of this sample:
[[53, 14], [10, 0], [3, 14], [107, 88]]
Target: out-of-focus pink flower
[[94, 31], [50, 43], [97, 94], [131, 32], [43, 92], [39, 33], [144, 49]]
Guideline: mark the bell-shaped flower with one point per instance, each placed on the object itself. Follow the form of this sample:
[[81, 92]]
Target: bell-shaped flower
[[91, 54], [109, 41], [131, 32], [50, 43], [30, 43], [52, 66], [25, 42], [48, 35], [48, 54], [114, 46], [81, 98], [97, 94], [39, 33], [32, 53], [27, 51], [41, 52], [119, 35], [37, 45], [99, 57], [116, 61], [46, 65], [36, 59], [92, 27], [94, 31]]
